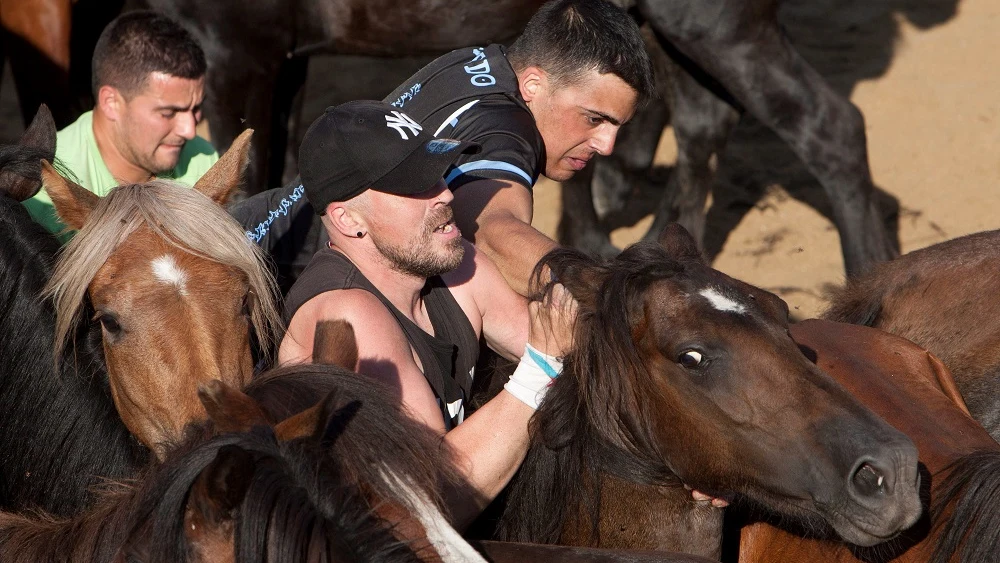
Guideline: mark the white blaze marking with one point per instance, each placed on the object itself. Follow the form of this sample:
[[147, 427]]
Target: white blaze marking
[[450, 545], [721, 302], [167, 271]]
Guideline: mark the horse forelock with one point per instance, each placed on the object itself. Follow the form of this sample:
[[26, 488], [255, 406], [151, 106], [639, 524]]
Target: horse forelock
[[612, 375], [183, 217], [306, 502]]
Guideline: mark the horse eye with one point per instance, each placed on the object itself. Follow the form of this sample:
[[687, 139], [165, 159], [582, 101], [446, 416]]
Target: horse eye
[[247, 300], [690, 359], [110, 323]]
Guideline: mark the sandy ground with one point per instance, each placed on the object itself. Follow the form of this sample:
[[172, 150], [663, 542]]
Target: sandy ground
[[925, 76], [923, 72]]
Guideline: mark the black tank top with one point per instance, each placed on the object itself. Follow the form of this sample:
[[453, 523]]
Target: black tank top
[[448, 357]]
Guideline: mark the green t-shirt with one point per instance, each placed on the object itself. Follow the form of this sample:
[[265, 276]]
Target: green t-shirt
[[76, 150]]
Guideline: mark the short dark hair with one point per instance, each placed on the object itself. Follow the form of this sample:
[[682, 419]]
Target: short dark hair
[[567, 38], [138, 43]]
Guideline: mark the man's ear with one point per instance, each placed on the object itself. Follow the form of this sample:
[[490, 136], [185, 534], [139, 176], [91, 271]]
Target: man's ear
[[110, 101], [532, 82], [344, 220]]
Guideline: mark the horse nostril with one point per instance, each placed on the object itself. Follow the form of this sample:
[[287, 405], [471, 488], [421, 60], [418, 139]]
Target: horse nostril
[[868, 480]]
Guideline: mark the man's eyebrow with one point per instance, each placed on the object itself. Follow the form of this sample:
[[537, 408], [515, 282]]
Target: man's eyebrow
[[604, 116], [179, 108]]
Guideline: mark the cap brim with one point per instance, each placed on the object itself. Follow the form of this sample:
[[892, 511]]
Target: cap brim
[[423, 167]]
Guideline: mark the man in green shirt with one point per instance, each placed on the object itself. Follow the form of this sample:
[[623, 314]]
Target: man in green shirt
[[149, 79]]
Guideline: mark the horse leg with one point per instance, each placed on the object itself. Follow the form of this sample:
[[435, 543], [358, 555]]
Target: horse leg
[[746, 52], [701, 123], [578, 223], [285, 116], [239, 98]]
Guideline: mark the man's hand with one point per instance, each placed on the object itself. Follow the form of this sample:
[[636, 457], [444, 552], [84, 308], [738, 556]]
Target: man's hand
[[552, 322]]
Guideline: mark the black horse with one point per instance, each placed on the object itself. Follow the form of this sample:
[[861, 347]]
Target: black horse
[[257, 60], [60, 433]]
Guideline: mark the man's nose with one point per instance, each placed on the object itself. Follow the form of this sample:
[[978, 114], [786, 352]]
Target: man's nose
[[604, 141], [185, 125], [444, 194]]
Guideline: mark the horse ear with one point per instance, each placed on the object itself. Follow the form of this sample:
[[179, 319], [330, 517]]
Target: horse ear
[[72, 201], [41, 134], [333, 418], [229, 408], [679, 243], [221, 487], [226, 175], [334, 344], [300, 425]]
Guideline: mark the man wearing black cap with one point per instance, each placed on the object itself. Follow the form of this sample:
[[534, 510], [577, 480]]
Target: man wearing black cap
[[416, 293], [546, 105]]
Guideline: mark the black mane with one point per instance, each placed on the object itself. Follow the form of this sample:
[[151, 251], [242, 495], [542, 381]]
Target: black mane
[[301, 502], [971, 490], [60, 434], [593, 421]]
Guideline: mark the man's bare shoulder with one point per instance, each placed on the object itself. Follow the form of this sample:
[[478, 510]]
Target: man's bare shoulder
[[357, 306]]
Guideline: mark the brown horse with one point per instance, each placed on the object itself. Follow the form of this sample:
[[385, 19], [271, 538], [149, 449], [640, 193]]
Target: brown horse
[[284, 492], [175, 286], [681, 374], [912, 390], [942, 298]]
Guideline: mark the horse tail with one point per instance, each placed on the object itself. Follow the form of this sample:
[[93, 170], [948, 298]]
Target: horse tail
[[972, 492], [858, 302]]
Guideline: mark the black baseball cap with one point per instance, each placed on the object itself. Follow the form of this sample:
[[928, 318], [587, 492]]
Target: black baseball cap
[[365, 145]]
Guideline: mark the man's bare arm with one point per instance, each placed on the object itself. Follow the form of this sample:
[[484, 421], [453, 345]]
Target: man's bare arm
[[488, 447], [496, 216]]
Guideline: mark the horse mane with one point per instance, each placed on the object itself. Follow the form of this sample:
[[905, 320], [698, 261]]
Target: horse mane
[[594, 420], [182, 216], [971, 490], [858, 302], [59, 437], [405, 449]]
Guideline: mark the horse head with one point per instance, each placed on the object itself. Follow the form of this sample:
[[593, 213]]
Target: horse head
[[175, 286], [683, 372]]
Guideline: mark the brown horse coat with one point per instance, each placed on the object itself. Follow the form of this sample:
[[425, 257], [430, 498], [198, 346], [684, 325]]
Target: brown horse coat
[[914, 392]]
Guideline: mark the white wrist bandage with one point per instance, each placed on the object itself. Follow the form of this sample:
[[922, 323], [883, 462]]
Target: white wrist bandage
[[533, 375]]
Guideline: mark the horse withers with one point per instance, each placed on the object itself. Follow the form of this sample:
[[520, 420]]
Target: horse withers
[[683, 375]]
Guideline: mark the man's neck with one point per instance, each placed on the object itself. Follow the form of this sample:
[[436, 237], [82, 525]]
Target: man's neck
[[119, 166], [401, 289]]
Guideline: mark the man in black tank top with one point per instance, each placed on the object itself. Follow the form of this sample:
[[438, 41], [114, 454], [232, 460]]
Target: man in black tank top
[[418, 296], [545, 106]]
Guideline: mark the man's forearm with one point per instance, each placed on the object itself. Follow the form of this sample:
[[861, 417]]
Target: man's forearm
[[515, 247], [489, 446]]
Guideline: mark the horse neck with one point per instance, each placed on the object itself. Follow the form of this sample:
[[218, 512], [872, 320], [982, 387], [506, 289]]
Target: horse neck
[[94, 536], [637, 516]]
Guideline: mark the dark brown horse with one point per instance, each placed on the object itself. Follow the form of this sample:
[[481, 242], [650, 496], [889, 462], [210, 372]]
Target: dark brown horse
[[683, 375], [943, 298], [912, 390]]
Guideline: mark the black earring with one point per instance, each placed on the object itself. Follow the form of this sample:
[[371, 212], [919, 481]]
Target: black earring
[[360, 234]]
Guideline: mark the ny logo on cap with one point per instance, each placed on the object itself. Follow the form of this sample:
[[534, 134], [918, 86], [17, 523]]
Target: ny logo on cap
[[399, 121]]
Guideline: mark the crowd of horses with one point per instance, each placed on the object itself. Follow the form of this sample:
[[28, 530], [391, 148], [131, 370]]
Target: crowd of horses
[[133, 426]]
